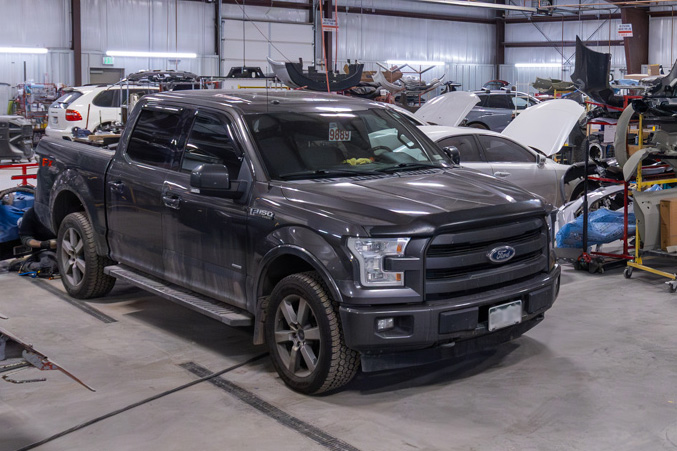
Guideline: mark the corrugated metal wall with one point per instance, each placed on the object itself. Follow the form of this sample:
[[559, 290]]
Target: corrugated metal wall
[[663, 41], [148, 25], [36, 23]]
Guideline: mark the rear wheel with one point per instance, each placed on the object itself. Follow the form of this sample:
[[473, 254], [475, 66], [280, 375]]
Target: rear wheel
[[478, 125], [81, 268], [305, 338]]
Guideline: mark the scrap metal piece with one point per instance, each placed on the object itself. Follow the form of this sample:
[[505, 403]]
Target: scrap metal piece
[[10, 346]]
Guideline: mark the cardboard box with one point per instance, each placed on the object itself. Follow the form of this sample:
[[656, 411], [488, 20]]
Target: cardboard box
[[654, 69], [635, 76], [668, 211]]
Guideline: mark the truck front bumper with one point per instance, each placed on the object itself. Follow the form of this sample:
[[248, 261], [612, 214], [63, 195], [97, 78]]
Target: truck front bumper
[[430, 331]]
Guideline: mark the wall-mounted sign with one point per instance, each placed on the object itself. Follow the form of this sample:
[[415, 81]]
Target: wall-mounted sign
[[108, 61], [329, 23], [625, 30]]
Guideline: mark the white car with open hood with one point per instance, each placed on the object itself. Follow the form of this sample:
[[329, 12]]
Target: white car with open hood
[[520, 153]]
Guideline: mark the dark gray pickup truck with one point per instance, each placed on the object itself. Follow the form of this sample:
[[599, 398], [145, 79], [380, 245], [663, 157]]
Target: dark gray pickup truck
[[330, 224]]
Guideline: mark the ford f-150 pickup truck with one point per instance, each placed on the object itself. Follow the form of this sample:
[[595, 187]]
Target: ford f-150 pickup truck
[[334, 227]]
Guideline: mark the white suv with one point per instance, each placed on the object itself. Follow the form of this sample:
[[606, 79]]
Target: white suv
[[90, 107]]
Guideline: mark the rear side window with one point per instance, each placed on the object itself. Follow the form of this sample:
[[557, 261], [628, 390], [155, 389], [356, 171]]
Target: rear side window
[[107, 99], [499, 101], [154, 138], [504, 151], [211, 142], [65, 100], [466, 147]]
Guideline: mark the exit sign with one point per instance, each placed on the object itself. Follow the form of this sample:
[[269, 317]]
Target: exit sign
[[108, 60]]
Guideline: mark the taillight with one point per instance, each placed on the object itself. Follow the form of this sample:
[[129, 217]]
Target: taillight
[[72, 115]]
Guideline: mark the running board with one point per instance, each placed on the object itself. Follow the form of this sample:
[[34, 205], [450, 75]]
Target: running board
[[219, 311]]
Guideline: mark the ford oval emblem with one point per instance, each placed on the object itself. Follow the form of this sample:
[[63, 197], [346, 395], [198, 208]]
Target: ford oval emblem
[[501, 254]]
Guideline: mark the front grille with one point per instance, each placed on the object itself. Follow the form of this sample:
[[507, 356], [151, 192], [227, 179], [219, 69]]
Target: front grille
[[457, 263]]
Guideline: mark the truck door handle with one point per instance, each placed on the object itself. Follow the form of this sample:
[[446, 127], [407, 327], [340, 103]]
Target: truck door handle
[[171, 201], [118, 187], [501, 174]]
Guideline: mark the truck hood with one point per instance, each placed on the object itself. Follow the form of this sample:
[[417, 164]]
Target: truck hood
[[407, 198], [545, 126], [447, 109]]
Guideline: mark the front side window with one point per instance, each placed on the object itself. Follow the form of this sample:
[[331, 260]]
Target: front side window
[[154, 138], [501, 150], [520, 103], [211, 142], [329, 142]]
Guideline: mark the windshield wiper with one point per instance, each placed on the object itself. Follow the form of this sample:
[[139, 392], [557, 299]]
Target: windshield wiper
[[320, 173], [409, 166]]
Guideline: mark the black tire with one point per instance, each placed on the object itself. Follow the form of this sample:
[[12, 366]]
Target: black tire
[[81, 268], [17, 189], [309, 364], [478, 125], [627, 272]]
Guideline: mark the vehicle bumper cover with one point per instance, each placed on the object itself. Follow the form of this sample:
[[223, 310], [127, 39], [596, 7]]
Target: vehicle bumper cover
[[434, 330]]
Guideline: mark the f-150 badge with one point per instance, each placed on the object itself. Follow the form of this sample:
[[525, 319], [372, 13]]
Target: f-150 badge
[[262, 213]]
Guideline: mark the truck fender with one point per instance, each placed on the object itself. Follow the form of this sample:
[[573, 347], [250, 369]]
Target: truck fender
[[295, 250], [71, 182]]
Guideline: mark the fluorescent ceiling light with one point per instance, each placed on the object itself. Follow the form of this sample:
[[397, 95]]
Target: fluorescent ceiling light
[[538, 65], [150, 54], [22, 50], [475, 4], [414, 63]]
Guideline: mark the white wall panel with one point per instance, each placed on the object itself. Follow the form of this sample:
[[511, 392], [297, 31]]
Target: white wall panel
[[379, 38], [53, 67], [35, 23], [251, 42], [663, 41]]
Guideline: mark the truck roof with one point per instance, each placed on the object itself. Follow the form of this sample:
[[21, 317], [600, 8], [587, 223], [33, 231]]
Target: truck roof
[[267, 102]]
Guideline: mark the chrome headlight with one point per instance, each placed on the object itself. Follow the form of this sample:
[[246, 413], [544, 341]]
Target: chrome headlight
[[370, 253]]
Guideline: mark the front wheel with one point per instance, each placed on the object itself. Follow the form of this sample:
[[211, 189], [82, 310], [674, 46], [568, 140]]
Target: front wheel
[[305, 338], [81, 268]]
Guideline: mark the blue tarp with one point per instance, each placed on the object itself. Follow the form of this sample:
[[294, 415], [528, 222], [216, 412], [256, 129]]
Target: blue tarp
[[604, 226], [10, 215]]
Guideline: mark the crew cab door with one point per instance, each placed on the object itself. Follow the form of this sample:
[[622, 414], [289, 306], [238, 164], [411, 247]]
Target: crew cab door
[[135, 202], [204, 235], [471, 154], [519, 165]]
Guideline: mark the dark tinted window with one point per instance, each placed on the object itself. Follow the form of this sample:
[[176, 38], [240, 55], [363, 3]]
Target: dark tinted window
[[107, 99], [66, 99], [501, 150], [154, 138], [211, 142], [466, 146], [499, 101], [483, 99]]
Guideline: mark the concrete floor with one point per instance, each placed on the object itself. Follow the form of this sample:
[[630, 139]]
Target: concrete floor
[[598, 374]]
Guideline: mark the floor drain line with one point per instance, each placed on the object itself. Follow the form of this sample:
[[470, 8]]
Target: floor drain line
[[140, 403], [298, 425], [75, 303]]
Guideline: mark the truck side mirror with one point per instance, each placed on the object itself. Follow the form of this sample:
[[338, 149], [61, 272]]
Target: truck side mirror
[[214, 180], [453, 154]]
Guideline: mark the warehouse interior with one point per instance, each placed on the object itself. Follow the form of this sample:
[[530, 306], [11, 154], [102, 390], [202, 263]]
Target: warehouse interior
[[338, 224]]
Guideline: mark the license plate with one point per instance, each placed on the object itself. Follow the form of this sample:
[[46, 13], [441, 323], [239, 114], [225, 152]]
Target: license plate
[[55, 120], [505, 315]]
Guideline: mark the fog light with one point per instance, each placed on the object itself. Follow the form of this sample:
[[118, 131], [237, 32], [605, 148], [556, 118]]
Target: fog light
[[385, 324]]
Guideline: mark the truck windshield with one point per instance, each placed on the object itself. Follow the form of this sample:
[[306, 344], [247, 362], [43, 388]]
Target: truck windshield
[[335, 142]]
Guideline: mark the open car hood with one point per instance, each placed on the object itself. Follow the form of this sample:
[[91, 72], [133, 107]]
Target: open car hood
[[448, 109], [545, 126]]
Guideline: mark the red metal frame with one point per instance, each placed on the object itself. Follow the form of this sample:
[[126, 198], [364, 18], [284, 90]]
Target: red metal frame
[[24, 176]]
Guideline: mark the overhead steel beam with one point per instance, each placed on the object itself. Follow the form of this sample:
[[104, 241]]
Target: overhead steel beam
[[76, 41], [582, 17], [555, 44]]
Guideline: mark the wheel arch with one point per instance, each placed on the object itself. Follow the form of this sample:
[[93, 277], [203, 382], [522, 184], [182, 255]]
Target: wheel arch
[[278, 263], [65, 201]]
